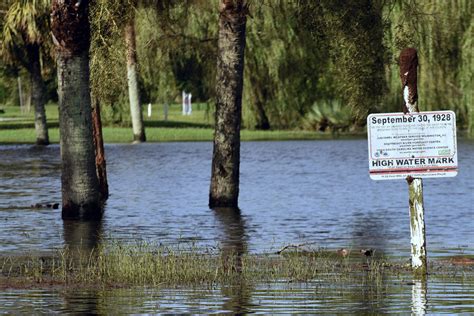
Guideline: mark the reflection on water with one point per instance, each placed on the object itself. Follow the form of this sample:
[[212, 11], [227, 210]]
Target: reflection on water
[[393, 295], [81, 238], [232, 243], [232, 246], [369, 231], [419, 295]]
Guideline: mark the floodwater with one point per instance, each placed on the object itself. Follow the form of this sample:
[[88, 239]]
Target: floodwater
[[277, 298], [296, 192]]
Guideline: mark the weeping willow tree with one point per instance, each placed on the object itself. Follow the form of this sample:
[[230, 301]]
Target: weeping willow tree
[[283, 69], [466, 78], [442, 31], [108, 59], [282, 72], [174, 45], [309, 64], [353, 34], [177, 44]]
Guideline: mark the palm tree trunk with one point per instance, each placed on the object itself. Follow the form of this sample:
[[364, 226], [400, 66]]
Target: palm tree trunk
[[132, 77], [38, 91], [80, 186], [101, 166], [224, 189]]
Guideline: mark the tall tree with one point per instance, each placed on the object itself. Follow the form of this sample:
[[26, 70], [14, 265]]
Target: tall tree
[[282, 66], [353, 31], [224, 191], [80, 186], [24, 36], [132, 79], [443, 33]]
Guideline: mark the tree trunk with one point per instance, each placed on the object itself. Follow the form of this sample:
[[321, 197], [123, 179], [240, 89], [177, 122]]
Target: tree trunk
[[20, 94], [257, 73], [262, 119], [260, 96], [132, 78], [38, 91], [80, 186], [100, 164], [224, 189]]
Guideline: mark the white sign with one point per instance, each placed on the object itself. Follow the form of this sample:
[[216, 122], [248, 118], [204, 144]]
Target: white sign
[[421, 145]]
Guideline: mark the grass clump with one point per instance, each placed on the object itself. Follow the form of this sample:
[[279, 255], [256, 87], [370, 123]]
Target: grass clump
[[147, 264]]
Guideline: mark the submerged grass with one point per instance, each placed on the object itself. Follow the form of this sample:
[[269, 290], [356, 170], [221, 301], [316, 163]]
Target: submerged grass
[[148, 264]]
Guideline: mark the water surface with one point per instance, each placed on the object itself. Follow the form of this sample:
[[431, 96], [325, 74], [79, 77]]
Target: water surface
[[394, 295], [316, 192]]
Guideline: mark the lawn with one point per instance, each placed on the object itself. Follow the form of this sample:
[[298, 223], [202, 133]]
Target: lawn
[[18, 128]]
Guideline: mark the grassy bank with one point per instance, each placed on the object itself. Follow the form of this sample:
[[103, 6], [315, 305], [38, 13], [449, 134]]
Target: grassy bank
[[148, 264], [18, 128], [160, 134]]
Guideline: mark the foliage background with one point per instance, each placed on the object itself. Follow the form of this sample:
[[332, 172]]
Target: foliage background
[[315, 65]]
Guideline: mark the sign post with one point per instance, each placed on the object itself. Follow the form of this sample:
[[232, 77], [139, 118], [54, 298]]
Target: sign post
[[412, 145]]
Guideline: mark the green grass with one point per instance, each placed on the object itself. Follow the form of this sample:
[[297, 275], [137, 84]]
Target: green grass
[[144, 263], [18, 128], [147, 264]]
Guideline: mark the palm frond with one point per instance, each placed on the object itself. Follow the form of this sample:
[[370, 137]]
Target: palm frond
[[25, 22]]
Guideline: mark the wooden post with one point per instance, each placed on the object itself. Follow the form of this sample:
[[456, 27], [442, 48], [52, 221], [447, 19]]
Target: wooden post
[[408, 74], [417, 225]]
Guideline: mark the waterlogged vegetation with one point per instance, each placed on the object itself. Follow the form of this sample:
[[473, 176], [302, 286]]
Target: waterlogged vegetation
[[149, 264]]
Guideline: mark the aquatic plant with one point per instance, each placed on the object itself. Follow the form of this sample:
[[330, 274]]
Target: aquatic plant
[[146, 263]]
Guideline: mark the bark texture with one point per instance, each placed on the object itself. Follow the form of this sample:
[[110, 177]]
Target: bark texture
[[224, 189], [80, 186], [38, 91], [132, 79], [100, 163]]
